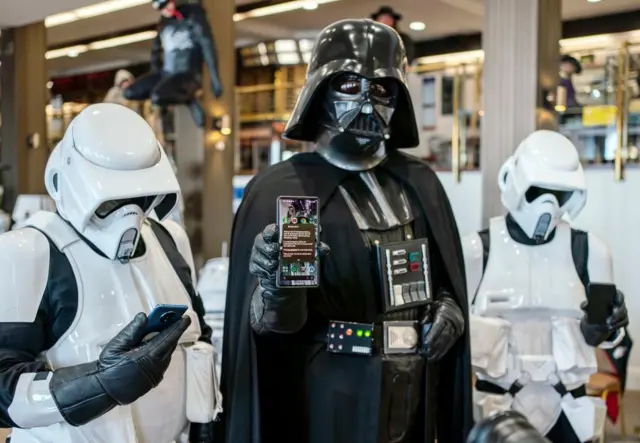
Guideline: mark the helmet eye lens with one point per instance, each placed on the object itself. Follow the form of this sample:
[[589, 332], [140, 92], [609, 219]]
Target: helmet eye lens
[[535, 192], [109, 207], [348, 84]]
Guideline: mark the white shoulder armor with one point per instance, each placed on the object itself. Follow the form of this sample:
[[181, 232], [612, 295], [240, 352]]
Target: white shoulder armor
[[600, 261], [182, 243], [473, 262], [24, 272]]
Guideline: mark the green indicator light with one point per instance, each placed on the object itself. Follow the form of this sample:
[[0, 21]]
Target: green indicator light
[[367, 334], [414, 256], [359, 333]]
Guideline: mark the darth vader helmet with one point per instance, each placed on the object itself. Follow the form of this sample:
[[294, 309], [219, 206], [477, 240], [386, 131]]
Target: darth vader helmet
[[355, 102]]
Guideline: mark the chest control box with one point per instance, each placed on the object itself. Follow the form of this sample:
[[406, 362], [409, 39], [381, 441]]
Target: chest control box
[[404, 274]]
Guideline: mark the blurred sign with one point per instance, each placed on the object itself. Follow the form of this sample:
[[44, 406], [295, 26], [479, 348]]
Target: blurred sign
[[604, 115]]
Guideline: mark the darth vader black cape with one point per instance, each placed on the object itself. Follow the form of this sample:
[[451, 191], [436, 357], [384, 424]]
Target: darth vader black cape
[[269, 370]]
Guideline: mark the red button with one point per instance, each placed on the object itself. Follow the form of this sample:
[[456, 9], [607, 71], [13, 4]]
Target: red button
[[415, 267], [349, 332]]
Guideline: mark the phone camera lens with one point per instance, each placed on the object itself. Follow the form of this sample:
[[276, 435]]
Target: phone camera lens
[[166, 318]]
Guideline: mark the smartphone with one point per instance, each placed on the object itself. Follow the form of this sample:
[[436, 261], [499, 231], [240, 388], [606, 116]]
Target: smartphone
[[601, 298], [164, 316], [298, 221]]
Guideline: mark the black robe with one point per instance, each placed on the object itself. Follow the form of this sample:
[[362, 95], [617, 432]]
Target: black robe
[[270, 369]]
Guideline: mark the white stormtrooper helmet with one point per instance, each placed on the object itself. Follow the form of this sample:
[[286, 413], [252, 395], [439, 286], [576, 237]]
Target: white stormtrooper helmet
[[541, 182], [107, 174]]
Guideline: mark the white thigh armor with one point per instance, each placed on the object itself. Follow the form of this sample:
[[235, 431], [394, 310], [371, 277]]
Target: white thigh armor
[[526, 337], [110, 294]]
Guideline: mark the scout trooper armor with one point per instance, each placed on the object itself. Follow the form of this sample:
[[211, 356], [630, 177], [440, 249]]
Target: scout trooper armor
[[76, 286], [527, 276]]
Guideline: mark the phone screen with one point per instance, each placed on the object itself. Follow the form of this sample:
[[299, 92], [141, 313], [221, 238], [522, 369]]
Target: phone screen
[[298, 223], [601, 299]]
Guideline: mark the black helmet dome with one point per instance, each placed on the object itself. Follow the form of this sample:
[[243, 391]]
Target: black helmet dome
[[363, 47]]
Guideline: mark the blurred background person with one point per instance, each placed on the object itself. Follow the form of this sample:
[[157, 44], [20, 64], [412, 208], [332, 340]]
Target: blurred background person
[[121, 81], [568, 67], [387, 16]]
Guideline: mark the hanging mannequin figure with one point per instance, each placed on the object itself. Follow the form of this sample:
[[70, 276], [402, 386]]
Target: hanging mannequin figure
[[528, 276], [184, 42]]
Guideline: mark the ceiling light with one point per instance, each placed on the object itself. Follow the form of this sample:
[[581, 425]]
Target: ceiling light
[[278, 9], [417, 26], [594, 1], [73, 51], [579, 44], [291, 58], [92, 11], [123, 40], [118, 5], [286, 46]]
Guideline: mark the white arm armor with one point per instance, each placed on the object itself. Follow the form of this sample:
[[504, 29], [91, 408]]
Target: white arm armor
[[182, 243], [24, 272], [473, 263]]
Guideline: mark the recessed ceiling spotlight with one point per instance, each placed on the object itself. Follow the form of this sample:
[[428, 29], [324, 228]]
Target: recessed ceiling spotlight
[[310, 6], [594, 1], [417, 26]]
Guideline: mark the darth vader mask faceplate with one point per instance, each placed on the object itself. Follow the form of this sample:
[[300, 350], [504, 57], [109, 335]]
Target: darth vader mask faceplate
[[362, 109]]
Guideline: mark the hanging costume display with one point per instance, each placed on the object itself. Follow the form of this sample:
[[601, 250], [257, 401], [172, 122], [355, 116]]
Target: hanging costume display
[[184, 42], [280, 383], [528, 277], [77, 286]]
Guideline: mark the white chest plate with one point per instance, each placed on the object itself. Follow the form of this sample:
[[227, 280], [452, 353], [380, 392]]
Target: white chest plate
[[541, 279], [110, 294]]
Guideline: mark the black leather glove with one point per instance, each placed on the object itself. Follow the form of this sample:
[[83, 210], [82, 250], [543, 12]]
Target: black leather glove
[[447, 326], [126, 370], [202, 432], [596, 334], [282, 310]]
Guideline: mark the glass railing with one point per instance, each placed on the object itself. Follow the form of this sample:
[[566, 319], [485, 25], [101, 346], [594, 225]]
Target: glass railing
[[603, 117], [598, 109], [270, 102]]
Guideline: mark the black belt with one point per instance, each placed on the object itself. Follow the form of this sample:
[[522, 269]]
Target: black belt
[[491, 388], [389, 337]]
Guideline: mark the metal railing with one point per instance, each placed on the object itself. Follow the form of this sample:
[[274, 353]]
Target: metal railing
[[272, 102]]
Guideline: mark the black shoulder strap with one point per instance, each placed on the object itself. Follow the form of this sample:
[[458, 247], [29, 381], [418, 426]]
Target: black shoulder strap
[[485, 238], [183, 270], [580, 253]]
